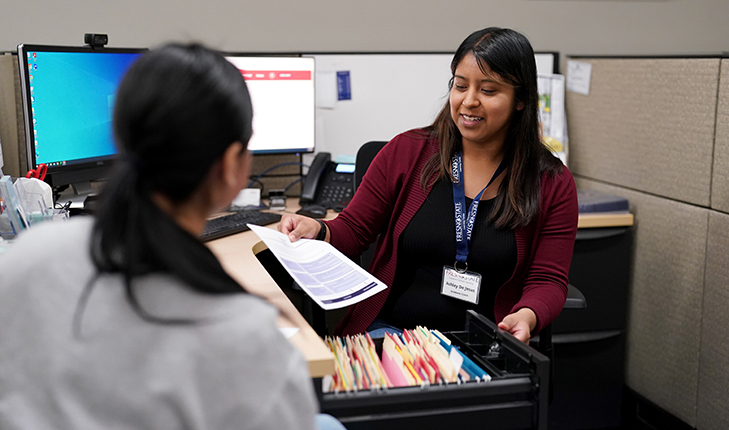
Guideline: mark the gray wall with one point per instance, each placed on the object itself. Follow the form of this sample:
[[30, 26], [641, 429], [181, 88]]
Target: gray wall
[[574, 27]]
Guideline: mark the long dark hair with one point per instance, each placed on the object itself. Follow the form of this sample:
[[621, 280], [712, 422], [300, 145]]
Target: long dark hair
[[177, 110], [509, 54]]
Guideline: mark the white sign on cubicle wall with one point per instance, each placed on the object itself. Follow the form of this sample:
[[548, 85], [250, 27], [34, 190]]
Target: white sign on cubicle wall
[[390, 94], [579, 75]]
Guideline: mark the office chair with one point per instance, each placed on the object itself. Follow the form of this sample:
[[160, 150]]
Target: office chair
[[313, 314], [365, 155]]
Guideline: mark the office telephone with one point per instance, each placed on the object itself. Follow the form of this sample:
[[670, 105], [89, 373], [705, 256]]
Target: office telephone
[[327, 183]]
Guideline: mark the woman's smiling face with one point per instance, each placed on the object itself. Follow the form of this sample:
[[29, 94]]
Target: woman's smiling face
[[481, 103]]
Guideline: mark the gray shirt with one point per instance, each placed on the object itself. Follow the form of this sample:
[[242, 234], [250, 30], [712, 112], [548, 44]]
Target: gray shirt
[[232, 369]]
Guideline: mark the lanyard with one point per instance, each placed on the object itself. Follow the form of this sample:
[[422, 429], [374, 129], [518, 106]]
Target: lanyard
[[464, 225]]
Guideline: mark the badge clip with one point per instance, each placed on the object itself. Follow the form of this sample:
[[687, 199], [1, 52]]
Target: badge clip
[[464, 270]]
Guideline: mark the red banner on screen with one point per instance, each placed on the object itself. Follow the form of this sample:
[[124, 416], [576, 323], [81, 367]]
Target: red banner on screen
[[276, 75]]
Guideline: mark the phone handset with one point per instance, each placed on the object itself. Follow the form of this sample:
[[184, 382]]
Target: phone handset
[[314, 177]]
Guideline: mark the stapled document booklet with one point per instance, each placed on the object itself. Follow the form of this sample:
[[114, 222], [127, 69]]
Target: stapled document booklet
[[330, 278]]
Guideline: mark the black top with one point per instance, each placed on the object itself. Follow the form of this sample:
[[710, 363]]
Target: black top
[[426, 245]]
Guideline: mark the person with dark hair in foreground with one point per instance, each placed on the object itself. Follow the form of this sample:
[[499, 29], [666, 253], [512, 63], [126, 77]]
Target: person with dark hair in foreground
[[126, 320], [472, 212]]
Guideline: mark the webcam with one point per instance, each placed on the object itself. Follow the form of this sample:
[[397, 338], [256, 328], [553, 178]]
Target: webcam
[[96, 40]]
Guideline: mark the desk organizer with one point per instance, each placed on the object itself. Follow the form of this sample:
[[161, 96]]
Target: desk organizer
[[515, 398]]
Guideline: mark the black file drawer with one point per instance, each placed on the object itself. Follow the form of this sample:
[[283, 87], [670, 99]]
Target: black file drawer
[[588, 381], [600, 269], [589, 343], [515, 398]]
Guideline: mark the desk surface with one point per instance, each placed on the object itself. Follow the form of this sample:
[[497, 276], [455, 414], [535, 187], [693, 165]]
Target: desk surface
[[605, 219], [237, 258]]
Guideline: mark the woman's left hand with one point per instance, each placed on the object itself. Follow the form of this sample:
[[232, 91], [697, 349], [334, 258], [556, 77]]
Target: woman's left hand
[[520, 324]]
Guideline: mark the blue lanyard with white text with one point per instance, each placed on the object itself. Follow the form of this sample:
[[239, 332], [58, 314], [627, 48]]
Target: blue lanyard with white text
[[464, 225]]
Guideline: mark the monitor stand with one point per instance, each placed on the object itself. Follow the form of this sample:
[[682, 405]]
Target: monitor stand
[[77, 195]]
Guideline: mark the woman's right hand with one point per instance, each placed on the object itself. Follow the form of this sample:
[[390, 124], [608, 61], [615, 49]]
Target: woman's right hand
[[299, 227]]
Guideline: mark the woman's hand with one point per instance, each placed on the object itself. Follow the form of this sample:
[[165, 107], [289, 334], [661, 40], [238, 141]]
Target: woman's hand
[[520, 324], [299, 227]]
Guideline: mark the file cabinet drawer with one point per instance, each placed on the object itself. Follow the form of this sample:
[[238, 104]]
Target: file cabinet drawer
[[515, 398]]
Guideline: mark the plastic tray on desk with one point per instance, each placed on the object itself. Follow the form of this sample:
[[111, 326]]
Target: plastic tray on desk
[[515, 398]]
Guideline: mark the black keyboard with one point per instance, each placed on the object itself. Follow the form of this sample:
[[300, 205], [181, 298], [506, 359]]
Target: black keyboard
[[236, 222]]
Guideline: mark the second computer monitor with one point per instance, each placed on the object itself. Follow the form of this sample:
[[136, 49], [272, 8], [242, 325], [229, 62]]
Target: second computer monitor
[[283, 97]]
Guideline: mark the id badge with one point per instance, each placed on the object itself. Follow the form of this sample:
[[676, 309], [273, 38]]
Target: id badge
[[460, 285]]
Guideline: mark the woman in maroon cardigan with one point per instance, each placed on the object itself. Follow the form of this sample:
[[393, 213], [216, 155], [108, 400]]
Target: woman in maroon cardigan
[[472, 212]]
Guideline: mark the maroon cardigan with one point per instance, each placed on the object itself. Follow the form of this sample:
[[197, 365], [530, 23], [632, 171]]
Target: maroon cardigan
[[389, 197]]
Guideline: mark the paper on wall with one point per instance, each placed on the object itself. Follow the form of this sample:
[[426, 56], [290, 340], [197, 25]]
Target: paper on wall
[[579, 75]]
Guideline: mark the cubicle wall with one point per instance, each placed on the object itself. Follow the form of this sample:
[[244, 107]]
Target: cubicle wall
[[720, 184], [713, 412], [647, 125], [655, 130], [713, 401], [11, 125]]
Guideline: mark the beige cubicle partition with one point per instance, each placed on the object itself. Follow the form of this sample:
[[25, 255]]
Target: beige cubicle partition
[[656, 130], [648, 125], [720, 181], [12, 133], [713, 402], [713, 412]]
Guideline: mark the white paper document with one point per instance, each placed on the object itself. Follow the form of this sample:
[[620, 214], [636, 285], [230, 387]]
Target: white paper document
[[579, 75], [330, 278], [288, 332]]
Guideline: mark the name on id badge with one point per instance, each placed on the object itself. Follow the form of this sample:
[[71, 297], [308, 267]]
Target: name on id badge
[[461, 285]]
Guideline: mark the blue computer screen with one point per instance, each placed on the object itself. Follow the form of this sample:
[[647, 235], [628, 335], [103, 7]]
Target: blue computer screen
[[72, 99]]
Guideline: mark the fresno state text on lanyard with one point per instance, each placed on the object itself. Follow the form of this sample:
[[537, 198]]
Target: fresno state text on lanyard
[[460, 283], [463, 244]]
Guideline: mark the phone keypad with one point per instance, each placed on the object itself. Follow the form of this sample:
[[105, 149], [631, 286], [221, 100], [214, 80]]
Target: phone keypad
[[337, 190]]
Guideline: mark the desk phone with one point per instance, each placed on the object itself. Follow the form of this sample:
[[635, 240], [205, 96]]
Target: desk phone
[[327, 183]]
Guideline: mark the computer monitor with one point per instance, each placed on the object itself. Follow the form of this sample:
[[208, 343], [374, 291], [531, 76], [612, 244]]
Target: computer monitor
[[68, 102], [283, 97]]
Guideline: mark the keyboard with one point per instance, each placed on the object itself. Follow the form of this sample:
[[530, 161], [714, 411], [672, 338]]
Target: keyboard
[[236, 223]]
